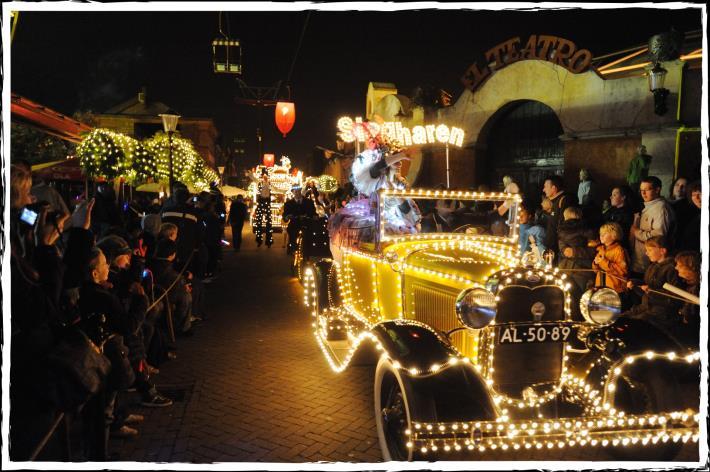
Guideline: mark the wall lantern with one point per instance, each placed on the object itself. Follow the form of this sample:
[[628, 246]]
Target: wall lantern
[[662, 47], [285, 116], [268, 160], [656, 79]]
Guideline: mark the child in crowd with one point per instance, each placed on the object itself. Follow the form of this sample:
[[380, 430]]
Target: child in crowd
[[543, 213], [611, 263], [530, 231], [687, 264], [575, 253], [655, 307]]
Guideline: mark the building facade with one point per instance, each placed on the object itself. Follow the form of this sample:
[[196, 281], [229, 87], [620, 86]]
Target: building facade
[[139, 118], [530, 117]]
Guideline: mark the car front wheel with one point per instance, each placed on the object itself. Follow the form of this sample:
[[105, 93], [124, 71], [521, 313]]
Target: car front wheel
[[395, 412]]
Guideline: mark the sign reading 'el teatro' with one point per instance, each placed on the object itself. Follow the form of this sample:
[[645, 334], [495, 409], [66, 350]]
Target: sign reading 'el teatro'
[[559, 51]]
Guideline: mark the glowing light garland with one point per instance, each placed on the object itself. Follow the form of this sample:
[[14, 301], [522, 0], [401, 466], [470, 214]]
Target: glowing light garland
[[108, 154], [103, 153]]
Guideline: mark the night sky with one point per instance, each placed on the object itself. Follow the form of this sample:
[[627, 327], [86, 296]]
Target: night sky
[[73, 61]]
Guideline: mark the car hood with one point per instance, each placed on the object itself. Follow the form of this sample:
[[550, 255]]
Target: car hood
[[462, 263]]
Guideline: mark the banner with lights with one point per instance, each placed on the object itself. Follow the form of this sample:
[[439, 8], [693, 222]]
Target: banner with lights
[[351, 130]]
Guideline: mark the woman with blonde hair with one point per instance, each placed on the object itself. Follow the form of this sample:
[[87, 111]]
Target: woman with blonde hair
[[611, 263]]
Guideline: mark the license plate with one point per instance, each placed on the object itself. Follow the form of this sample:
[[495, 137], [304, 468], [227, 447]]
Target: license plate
[[535, 334]]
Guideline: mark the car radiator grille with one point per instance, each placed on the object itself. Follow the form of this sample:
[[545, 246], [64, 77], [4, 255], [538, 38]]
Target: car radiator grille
[[437, 308], [517, 366]]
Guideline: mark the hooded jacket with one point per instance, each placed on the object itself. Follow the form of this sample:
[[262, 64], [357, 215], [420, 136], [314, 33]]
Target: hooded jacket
[[615, 263]]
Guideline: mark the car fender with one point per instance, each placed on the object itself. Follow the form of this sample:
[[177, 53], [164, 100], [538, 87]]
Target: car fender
[[639, 335], [319, 269], [430, 367], [638, 345]]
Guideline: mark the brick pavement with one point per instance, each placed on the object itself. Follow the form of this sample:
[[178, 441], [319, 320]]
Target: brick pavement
[[256, 387]]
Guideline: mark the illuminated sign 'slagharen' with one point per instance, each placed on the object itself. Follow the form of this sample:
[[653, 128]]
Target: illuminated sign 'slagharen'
[[350, 131]]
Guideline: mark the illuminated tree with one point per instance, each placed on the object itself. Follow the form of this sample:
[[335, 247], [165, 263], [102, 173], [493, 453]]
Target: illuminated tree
[[107, 154], [101, 154]]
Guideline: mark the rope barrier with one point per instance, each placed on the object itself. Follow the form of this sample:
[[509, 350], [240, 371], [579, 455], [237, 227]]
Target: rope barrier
[[665, 294], [165, 293], [46, 437]]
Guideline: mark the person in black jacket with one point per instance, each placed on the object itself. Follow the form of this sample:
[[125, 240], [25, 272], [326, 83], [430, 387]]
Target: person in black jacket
[[103, 317], [106, 211], [655, 307], [169, 279], [575, 251], [237, 216], [296, 210], [554, 190], [621, 212], [689, 230], [185, 216]]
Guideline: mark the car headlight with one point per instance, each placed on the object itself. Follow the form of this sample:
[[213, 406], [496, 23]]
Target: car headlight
[[476, 307], [600, 306]]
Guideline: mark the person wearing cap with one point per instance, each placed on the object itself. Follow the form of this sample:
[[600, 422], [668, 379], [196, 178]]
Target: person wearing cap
[[168, 278]]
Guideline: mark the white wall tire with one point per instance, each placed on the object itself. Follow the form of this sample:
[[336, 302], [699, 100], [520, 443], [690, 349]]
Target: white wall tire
[[388, 382]]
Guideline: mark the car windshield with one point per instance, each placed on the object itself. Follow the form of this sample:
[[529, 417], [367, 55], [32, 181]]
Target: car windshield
[[420, 212]]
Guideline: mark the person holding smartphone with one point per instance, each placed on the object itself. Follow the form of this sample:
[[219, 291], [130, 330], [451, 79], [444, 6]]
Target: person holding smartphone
[[36, 274]]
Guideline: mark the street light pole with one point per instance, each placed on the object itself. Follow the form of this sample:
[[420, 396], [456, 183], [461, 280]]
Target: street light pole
[[170, 162], [170, 121]]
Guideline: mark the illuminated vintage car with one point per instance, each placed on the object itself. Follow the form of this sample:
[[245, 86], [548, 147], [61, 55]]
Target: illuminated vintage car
[[478, 351]]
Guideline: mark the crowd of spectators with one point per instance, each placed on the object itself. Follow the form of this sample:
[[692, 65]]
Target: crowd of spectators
[[632, 242], [102, 292]]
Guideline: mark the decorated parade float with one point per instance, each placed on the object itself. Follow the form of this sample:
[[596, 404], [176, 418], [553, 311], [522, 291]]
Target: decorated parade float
[[282, 180], [477, 346]]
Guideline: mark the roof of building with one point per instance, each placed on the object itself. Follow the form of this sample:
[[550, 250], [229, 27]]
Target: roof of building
[[134, 106]]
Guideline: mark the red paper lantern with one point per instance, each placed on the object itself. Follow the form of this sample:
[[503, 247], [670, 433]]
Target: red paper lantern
[[269, 160], [285, 116]]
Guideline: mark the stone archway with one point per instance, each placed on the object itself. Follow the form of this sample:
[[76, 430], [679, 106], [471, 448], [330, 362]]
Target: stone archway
[[521, 139]]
